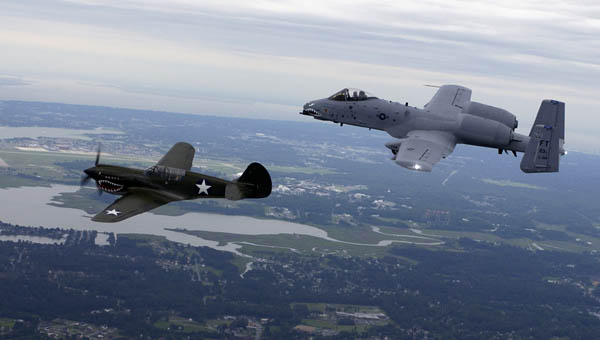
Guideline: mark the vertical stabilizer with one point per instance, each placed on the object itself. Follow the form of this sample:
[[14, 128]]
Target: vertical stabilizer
[[255, 182], [546, 139]]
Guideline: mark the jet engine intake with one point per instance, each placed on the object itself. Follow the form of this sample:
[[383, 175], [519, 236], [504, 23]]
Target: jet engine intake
[[492, 113]]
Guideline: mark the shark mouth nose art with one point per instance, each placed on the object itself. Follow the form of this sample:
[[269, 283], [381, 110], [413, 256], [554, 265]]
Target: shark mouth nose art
[[109, 186], [310, 112]]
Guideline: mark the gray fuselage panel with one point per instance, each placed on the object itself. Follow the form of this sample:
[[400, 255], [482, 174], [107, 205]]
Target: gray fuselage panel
[[398, 119]]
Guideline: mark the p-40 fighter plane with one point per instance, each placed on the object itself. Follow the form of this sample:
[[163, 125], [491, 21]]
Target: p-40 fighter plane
[[424, 136], [167, 181]]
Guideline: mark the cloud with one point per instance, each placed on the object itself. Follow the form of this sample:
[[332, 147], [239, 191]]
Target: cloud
[[283, 53], [12, 81], [504, 39]]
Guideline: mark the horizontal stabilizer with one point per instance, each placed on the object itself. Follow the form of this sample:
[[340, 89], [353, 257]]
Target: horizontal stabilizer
[[546, 138]]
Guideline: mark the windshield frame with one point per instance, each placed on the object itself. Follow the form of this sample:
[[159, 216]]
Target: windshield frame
[[351, 94], [165, 172]]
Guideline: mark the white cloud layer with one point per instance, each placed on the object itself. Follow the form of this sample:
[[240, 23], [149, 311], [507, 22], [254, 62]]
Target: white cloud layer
[[266, 58]]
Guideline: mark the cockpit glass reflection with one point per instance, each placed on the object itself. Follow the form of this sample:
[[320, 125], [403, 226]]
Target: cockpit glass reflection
[[164, 172], [352, 94]]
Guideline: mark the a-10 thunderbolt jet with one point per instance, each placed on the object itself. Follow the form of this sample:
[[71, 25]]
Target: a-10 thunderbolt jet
[[167, 181], [424, 136]]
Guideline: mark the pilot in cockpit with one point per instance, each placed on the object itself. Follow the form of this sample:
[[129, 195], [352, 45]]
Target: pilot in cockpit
[[164, 172], [351, 95]]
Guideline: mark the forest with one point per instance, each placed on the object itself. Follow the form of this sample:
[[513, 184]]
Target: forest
[[479, 291]]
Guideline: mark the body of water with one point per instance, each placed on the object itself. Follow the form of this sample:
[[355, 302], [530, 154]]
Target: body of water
[[28, 206]]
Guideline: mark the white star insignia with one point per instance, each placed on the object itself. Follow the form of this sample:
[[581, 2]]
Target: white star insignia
[[203, 188], [113, 212]]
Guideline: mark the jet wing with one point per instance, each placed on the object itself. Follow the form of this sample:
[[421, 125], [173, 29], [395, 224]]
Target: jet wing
[[180, 156], [449, 99], [130, 205], [421, 150]]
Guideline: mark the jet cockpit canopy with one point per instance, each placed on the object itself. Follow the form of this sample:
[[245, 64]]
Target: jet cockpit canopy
[[164, 172], [351, 94]]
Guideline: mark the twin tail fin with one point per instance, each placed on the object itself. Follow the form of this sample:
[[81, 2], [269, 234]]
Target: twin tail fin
[[546, 141]]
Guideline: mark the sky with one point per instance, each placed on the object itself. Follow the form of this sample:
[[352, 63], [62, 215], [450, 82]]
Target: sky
[[265, 59]]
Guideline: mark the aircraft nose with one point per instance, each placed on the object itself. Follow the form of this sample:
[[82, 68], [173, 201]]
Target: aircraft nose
[[309, 109], [91, 171]]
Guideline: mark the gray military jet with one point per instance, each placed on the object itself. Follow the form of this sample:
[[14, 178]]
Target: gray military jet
[[424, 136], [167, 181]]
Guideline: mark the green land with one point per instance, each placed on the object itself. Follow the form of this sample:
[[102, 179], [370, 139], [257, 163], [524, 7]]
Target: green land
[[36, 168]]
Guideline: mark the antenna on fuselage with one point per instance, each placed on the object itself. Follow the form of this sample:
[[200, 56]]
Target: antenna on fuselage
[[429, 85]]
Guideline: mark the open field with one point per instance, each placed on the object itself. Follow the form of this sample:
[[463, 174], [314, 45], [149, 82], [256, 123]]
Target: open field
[[326, 316], [300, 244], [185, 325], [322, 307], [302, 170], [6, 324]]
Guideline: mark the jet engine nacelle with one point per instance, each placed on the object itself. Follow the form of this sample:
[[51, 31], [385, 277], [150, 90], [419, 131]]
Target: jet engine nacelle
[[492, 113], [481, 131]]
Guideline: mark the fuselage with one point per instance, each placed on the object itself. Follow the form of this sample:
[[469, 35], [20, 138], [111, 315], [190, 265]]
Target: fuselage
[[176, 184], [463, 125]]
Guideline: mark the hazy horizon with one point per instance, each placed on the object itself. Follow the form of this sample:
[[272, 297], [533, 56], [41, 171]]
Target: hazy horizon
[[265, 59]]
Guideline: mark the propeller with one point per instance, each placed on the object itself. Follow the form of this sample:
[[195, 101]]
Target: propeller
[[96, 164], [86, 179], [97, 156]]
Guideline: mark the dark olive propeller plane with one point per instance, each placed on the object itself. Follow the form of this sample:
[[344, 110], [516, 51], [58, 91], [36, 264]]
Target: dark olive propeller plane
[[167, 181]]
